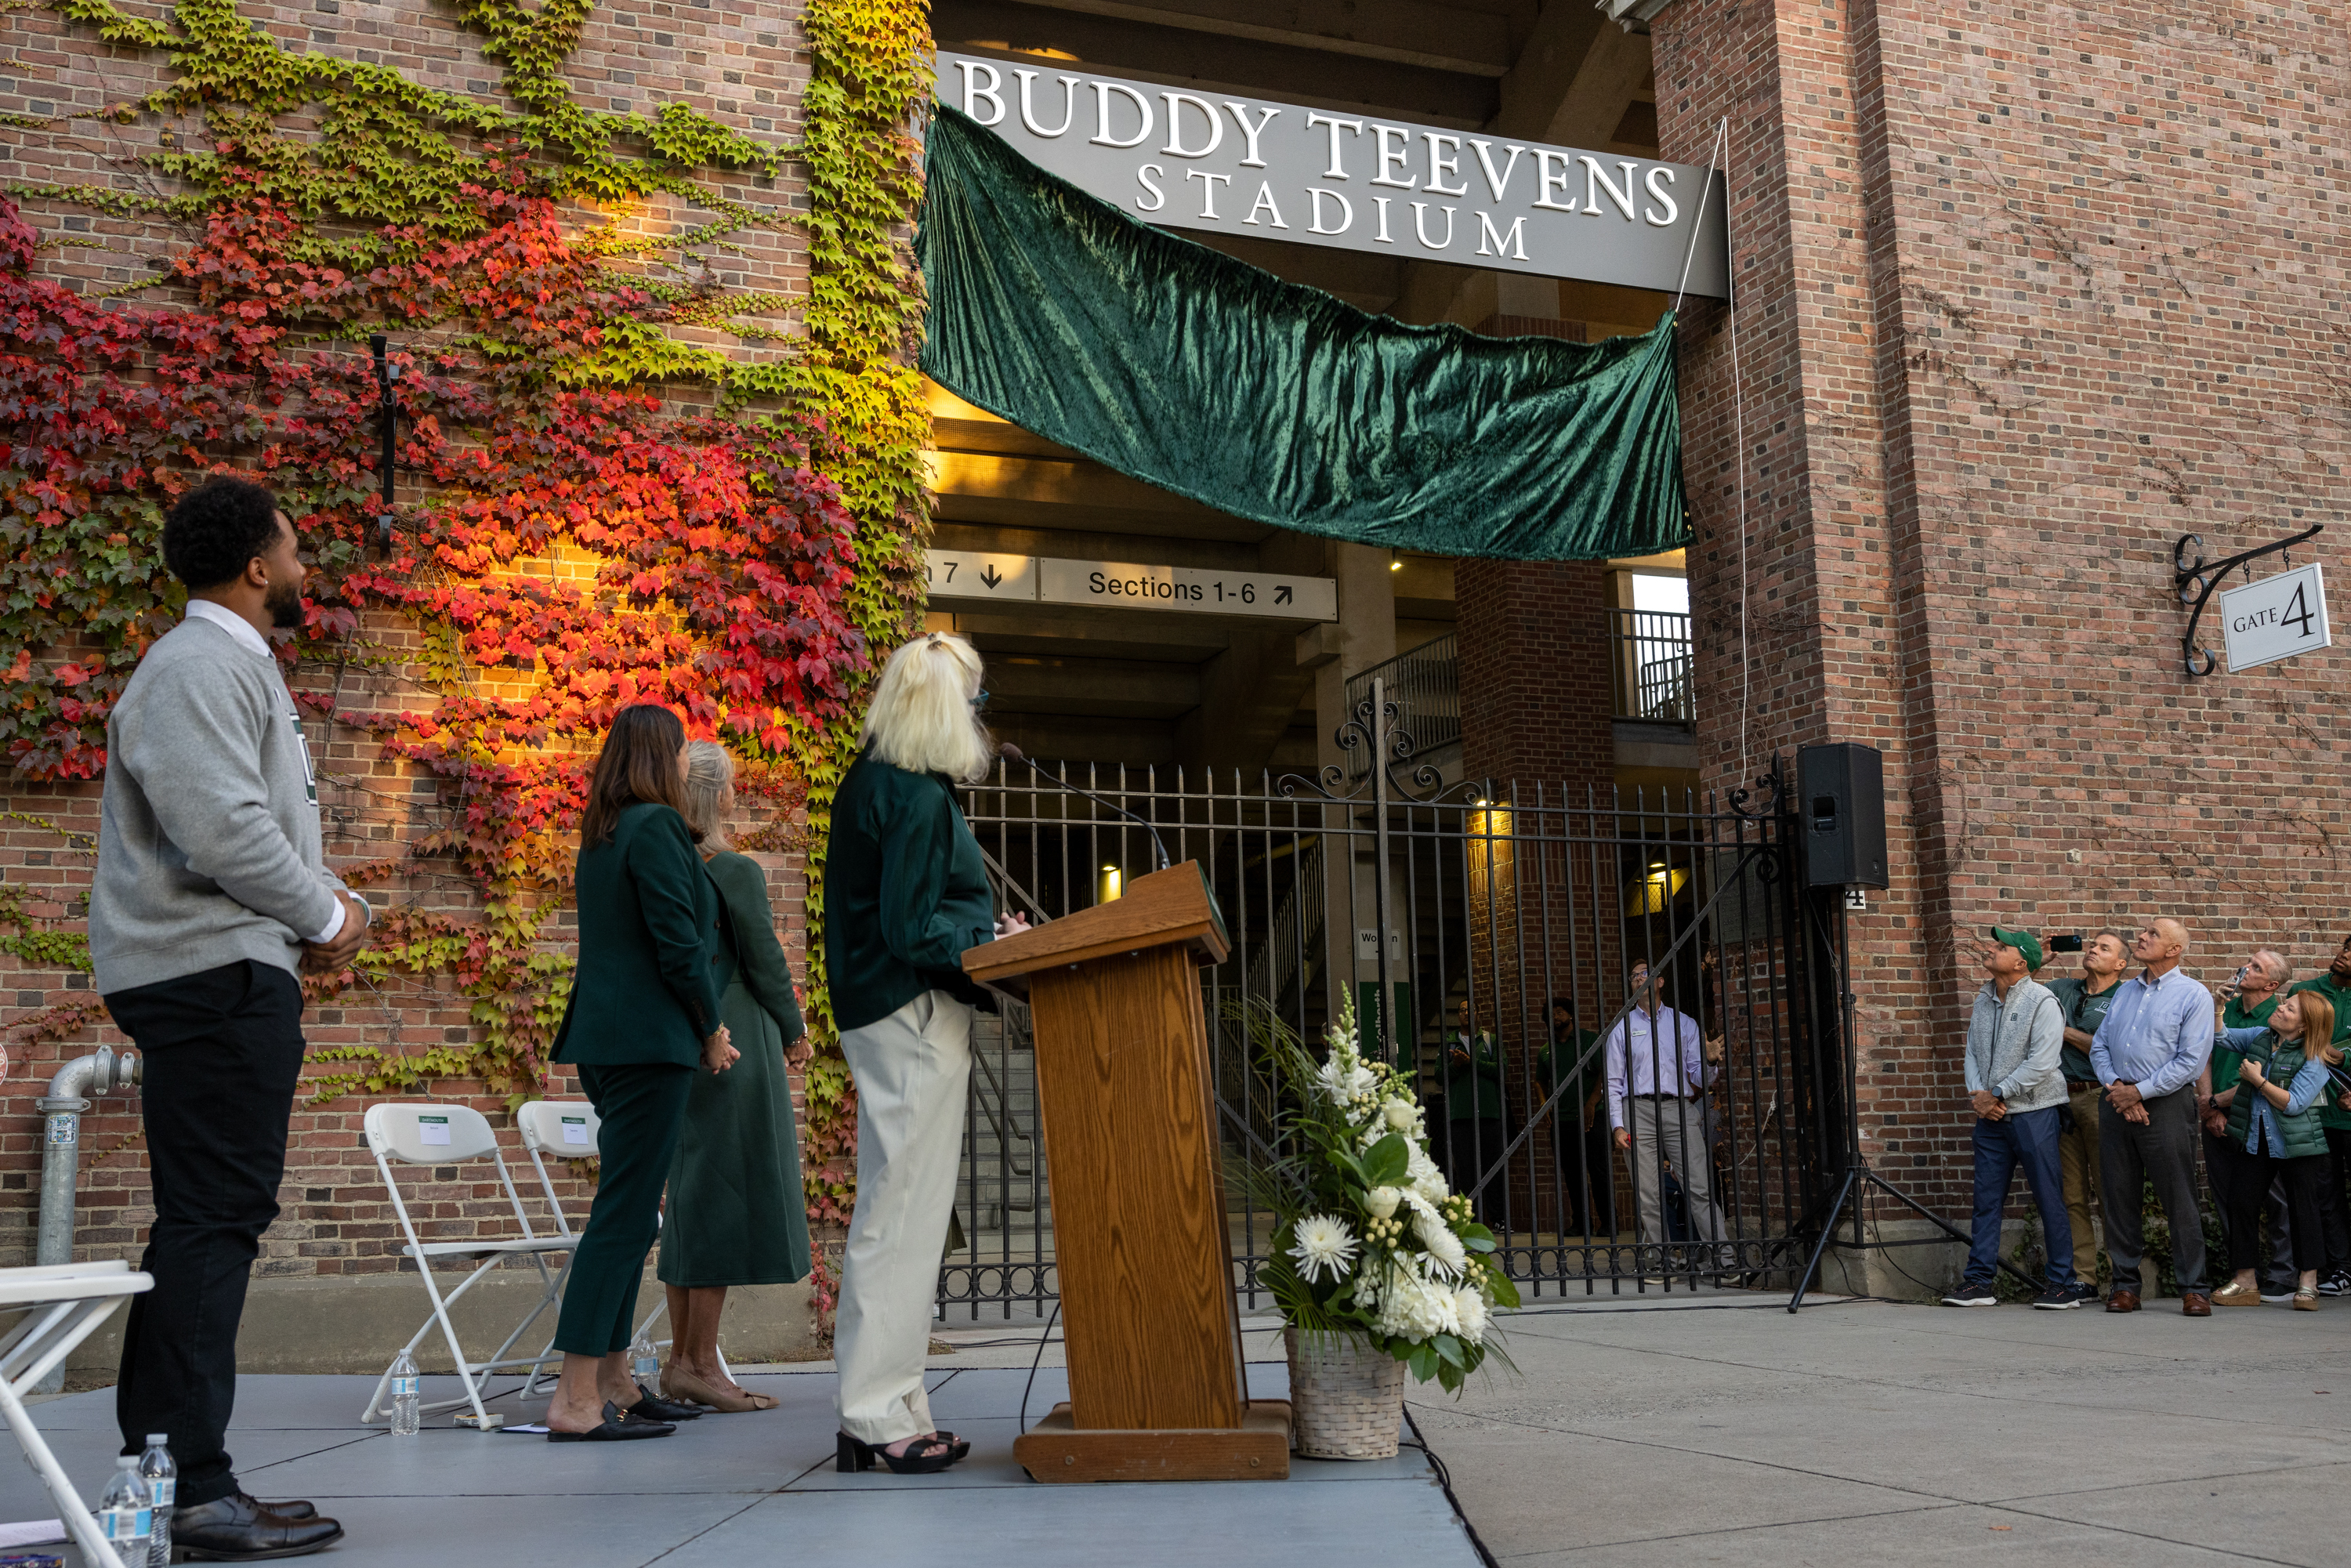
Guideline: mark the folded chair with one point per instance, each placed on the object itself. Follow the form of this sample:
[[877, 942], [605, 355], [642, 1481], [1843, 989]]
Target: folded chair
[[450, 1135], [64, 1305], [567, 1130]]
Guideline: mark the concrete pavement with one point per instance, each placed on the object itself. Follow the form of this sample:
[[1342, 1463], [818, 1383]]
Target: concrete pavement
[[1868, 1432]]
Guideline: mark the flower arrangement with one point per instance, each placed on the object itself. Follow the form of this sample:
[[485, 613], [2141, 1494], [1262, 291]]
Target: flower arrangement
[[1369, 1241]]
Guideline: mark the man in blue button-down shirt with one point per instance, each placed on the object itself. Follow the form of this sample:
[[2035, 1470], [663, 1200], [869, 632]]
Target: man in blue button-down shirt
[[2150, 1052]]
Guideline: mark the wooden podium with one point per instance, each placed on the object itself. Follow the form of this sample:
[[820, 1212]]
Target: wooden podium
[[1156, 1389]]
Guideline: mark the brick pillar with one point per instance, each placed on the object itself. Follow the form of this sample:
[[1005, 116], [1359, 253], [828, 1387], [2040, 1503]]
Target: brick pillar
[[1536, 710]]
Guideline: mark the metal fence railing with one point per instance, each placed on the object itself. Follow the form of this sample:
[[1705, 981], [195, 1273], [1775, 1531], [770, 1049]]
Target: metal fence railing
[[1425, 684], [1649, 657], [1465, 914]]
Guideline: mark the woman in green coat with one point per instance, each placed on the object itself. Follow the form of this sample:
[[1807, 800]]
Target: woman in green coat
[[737, 1214], [644, 1013]]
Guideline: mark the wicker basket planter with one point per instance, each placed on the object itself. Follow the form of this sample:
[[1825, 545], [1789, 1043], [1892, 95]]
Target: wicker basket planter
[[1346, 1399]]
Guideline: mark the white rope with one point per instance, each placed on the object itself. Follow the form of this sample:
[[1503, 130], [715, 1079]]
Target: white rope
[[1720, 153], [1698, 224]]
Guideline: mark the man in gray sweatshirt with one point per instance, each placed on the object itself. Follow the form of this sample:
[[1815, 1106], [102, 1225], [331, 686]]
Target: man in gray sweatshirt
[[2015, 1084], [211, 893]]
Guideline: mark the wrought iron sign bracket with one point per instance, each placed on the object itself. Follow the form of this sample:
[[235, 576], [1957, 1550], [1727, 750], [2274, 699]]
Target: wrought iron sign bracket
[[2198, 582]]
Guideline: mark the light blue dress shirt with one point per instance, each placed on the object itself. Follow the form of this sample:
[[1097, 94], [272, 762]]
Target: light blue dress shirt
[[2156, 1036]]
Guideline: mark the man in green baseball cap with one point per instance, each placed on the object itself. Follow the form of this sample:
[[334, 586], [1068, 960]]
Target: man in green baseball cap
[[2016, 1086], [2025, 943]]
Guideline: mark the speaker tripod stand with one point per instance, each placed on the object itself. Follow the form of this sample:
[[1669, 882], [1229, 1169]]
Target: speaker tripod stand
[[1849, 1191]]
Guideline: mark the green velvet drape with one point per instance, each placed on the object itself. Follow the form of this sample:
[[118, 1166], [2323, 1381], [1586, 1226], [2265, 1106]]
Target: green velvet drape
[[1206, 376]]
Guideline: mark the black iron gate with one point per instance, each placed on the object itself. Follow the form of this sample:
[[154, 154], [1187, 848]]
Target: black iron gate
[[1487, 934]]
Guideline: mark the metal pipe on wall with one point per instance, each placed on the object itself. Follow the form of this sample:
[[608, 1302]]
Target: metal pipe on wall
[[62, 1109]]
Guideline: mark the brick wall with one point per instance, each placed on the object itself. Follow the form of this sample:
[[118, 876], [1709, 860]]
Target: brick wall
[[2026, 294], [1535, 698], [744, 66]]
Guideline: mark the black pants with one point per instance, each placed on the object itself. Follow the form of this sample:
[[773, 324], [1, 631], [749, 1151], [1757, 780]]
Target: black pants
[[2334, 1204], [1590, 1176], [641, 1107], [2228, 1167], [2249, 1184], [223, 1052], [2160, 1153], [1472, 1144]]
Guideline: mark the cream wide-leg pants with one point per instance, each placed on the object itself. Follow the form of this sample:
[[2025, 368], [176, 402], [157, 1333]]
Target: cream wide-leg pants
[[911, 1069]]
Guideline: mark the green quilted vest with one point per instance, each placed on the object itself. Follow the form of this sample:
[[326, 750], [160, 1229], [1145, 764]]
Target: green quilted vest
[[2280, 1062]]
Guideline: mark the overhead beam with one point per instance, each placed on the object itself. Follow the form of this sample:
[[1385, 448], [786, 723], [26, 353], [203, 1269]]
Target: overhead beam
[[1440, 37], [1206, 63]]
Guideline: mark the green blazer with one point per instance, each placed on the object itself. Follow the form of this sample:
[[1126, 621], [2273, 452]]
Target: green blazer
[[905, 893], [761, 969], [647, 987]]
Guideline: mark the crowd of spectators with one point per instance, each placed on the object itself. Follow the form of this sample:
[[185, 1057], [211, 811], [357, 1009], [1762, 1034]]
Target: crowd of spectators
[[2102, 1089]]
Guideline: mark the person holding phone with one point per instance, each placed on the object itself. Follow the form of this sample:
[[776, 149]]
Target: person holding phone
[[2247, 1000], [2274, 1129], [2335, 1116]]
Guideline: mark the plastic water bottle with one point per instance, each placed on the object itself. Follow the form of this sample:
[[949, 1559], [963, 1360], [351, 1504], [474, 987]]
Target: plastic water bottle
[[126, 1516], [162, 1474], [405, 1417], [644, 1362]]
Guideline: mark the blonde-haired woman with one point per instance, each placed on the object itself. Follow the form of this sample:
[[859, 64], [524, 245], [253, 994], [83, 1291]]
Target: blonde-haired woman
[[905, 891], [2274, 1135], [737, 1215]]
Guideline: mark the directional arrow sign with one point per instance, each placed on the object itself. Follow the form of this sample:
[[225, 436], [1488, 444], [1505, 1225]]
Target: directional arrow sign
[[1188, 589], [969, 574]]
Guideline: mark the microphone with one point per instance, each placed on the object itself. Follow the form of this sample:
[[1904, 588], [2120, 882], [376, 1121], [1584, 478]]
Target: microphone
[[1012, 753]]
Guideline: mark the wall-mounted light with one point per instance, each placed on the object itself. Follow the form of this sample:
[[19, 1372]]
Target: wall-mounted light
[[1113, 883], [1395, 560]]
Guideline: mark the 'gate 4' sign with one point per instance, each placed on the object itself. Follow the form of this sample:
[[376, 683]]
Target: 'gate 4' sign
[[2275, 618]]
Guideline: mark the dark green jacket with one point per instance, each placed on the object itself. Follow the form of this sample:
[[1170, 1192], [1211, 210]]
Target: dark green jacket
[[2236, 1015], [905, 893], [1562, 1058], [1473, 1090], [751, 954], [646, 989], [2330, 1113]]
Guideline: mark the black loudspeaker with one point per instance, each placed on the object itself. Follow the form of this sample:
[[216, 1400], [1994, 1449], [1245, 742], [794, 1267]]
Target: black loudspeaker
[[1841, 801]]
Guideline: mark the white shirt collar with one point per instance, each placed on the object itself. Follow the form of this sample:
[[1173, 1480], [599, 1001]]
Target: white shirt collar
[[236, 625]]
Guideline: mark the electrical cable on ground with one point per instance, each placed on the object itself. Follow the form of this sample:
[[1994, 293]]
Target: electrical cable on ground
[[1445, 1479], [1043, 1341]]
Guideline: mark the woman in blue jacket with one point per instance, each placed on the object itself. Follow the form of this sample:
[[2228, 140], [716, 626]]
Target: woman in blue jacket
[[2274, 1133]]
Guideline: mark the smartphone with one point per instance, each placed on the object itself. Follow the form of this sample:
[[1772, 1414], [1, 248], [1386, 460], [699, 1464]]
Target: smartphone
[[2070, 943]]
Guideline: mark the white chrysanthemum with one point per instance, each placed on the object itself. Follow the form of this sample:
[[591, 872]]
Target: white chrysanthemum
[[1323, 1242], [1423, 1175], [1381, 1202], [1444, 1247], [1469, 1307], [1399, 1114], [1417, 1311]]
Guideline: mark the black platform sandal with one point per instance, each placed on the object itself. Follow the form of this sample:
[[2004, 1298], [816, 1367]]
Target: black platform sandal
[[961, 1445], [923, 1457]]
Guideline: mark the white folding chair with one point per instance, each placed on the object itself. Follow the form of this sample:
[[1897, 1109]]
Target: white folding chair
[[569, 1130], [450, 1135], [63, 1304]]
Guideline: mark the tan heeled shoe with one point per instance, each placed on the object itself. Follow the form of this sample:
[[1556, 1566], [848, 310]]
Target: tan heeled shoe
[[679, 1384]]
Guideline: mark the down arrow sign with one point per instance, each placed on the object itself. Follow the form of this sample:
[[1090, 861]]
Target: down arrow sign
[[990, 576]]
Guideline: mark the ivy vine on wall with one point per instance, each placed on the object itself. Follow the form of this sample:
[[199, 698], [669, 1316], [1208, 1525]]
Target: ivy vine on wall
[[736, 533]]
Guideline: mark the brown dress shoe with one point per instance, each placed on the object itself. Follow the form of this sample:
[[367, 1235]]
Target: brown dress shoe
[[2123, 1302], [2195, 1305]]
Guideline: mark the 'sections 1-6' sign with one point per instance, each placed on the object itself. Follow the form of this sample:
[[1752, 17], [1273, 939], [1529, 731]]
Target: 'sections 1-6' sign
[[2275, 618], [1122, 585], [1249, 166]]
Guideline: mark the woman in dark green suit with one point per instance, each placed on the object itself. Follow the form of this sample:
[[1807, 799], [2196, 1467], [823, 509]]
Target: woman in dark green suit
[[644, 1013], [736, 1213]]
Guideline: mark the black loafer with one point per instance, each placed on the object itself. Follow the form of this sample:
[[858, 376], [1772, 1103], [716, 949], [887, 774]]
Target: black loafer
[[652, 1407], [293, 1508], [235, 1528], [618, 1426]]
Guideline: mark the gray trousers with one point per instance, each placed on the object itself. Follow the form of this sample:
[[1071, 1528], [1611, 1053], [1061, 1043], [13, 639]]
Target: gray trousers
[[2162, 1154], [1675, 1129]]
